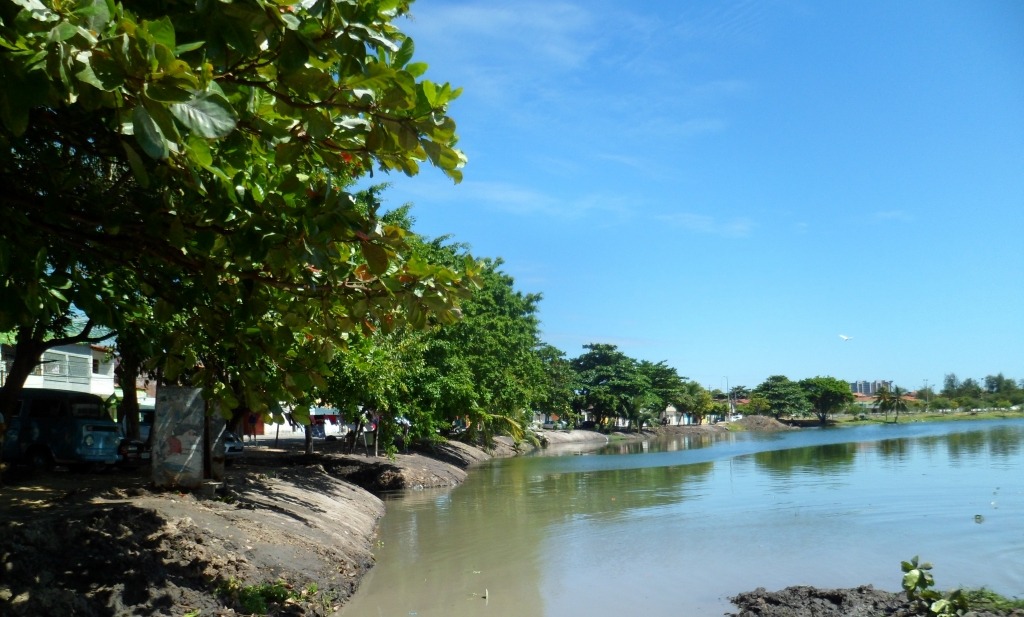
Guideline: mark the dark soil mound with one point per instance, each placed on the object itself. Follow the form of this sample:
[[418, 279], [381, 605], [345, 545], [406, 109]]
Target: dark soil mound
[[863, 601], [812, 602], [762, 423]]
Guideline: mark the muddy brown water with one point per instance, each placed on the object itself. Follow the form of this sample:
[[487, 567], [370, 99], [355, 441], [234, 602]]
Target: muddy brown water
[[676, 526]]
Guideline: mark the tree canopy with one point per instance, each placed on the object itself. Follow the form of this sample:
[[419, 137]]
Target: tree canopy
[[187, 163], [784, 397], [826, 395]]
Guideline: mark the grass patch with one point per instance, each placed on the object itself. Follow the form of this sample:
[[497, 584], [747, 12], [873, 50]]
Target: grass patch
[[952, 416], [984, 599]]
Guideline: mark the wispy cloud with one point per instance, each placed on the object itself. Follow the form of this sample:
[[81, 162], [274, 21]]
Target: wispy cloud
[[633, 162], [697, 126], [728, 21], [738, 227], [526, 201], [893, 215], [554, 33]]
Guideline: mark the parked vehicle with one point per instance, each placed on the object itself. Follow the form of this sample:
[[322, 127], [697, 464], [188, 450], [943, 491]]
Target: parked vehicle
[[137, 452], [233, 446], [61, 427], [134, 452]]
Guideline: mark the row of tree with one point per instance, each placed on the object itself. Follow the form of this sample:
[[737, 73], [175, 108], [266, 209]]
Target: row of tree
[[994, 391]]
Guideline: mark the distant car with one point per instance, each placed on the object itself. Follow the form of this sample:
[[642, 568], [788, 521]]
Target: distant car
[[233, 446], [134, 452], [551, 426]]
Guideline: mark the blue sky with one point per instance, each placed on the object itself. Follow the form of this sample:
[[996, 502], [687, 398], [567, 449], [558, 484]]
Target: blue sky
[[730, 186]]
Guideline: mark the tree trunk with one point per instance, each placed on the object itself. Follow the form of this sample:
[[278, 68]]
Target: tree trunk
[[128, 412], [27, 351], [355, 435]]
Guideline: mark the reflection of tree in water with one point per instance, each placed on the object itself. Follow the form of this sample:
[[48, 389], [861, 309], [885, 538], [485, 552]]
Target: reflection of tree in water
[[999, 441], [969, 444], [558, 497], [676, 443], [897, 449], [823, 460], [1005, 441], [931, 443], [615, 492]]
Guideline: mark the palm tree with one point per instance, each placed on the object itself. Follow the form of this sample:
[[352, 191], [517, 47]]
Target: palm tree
[[896, 401], [640, 410], [883, 400]]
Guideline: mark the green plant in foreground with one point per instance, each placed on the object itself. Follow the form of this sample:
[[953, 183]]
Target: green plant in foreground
[[253, 599], [918, 582]]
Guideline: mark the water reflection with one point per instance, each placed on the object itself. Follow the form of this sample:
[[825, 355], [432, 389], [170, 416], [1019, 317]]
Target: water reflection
[[824, 460], [824, 507], [894, 449], [672, 443]]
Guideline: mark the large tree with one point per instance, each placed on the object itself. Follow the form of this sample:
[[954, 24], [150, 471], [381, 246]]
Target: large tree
[[826, 395], [194, 156], [558, 387], [784, 396], [668, 387], [608, 380], [484, 370]]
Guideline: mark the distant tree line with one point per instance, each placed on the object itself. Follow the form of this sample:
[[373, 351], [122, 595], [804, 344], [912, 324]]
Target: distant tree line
[[992, 392]]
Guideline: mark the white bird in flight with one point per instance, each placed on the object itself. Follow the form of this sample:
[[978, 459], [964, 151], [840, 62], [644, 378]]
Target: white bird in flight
[[844, 337]]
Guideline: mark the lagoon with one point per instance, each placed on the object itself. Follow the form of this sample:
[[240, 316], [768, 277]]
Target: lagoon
[[676, 525]]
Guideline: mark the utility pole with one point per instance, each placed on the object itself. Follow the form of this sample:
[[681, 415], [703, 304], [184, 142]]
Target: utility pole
[[728, 400]]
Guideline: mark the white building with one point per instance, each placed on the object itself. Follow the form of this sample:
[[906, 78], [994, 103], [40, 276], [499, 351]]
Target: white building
[[82, 368]]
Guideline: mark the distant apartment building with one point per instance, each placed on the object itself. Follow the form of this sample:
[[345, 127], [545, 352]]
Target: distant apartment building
[[868, 387]]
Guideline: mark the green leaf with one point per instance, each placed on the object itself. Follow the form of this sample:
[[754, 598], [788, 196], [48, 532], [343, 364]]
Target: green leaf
[[405, 53], [162, 31], [63, 31], [376, 257], [137, 164], [208, 114], [167, 93], [187, 47], [294, 52], [911, 579], [148, 134], [199, 151], [97, 14], [102, 72]]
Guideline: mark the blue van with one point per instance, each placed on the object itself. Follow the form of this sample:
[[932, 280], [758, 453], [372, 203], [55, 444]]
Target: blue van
[[60, 427]]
